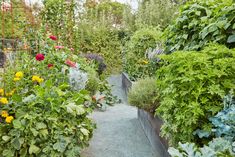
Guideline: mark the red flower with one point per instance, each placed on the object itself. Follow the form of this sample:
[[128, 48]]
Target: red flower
[[59, 47], [70, 63], [50, 65], [52, 37], [39, 57]]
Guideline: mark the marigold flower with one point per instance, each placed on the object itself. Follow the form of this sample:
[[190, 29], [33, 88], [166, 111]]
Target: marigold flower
[[19, 74], [40, 57], [3, 101], [9, 119], [16, 79], [70, 63], [1, 92], [4, 114], [52, 37]]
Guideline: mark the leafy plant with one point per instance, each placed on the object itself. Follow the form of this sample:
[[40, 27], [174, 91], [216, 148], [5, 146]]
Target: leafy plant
[[218, 147], [137, 65], [201, 22], [144, 95], [191, 86], [224, 121]]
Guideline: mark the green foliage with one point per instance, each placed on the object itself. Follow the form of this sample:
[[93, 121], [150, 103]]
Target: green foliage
[[136, 63], [201, 22], [144, 95], [58, 16], [218, 147], [192, 86], [101, 40], [155, 13], [13, 25]]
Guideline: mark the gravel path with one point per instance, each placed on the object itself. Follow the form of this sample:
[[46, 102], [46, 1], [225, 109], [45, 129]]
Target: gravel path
[[118, 133]]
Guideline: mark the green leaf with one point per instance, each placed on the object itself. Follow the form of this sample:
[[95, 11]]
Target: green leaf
[[41, 125], [34, 149], [60, 145], [16, 143], [85, 131], [17, 124], [6, 138], [231, 39]]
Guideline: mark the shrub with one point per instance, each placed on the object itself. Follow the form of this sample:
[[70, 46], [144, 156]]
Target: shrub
[[137, 65], [201, 22], [192, 86], [143, 94]]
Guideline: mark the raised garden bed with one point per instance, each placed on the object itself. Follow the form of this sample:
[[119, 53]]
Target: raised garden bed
[[151, 125], [126, 82]]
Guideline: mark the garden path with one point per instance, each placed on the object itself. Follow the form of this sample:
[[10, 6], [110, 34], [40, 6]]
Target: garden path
[[118, 133]]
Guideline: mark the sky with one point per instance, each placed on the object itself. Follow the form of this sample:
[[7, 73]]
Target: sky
[[133, 3]]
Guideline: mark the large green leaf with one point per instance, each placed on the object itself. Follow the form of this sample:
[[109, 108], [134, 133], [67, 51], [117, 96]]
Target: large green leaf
[[231, 39]]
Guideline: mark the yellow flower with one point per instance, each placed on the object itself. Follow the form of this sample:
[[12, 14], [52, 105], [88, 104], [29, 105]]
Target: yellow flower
[[3, 101], [1, 92], [9, 119], [16, 79], [19, 74], [145, 62], [11, 93], [4, 114], [37, 79]]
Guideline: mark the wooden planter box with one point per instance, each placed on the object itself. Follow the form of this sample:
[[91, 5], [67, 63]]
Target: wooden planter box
[[151, 125]]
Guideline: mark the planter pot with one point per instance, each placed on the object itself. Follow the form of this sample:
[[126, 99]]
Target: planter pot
[[151, 126], [126, 82]]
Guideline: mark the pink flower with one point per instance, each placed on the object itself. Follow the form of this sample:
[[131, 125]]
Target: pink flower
[[39, 57], [52, 37], [5, 6], [70, 63], [71, 49], [59, 47]]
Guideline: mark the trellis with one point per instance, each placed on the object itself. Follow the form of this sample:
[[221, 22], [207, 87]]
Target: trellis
[[15, 43]]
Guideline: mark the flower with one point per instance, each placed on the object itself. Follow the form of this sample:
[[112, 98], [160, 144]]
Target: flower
[[37, 79], [70, 63], [145, 62], [19, 74], [16, 79], [52, 37], [59, 47], [11, 92], [39, 57], [3, 101], [9, 119], [5, 6], [71, 49], [50, 65], [1, 92], [4, 114]]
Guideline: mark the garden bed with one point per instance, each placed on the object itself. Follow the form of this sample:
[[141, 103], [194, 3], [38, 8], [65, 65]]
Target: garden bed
[[151, 125]]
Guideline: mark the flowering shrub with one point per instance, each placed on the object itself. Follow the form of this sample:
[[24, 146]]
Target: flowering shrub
[[41, 114]]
